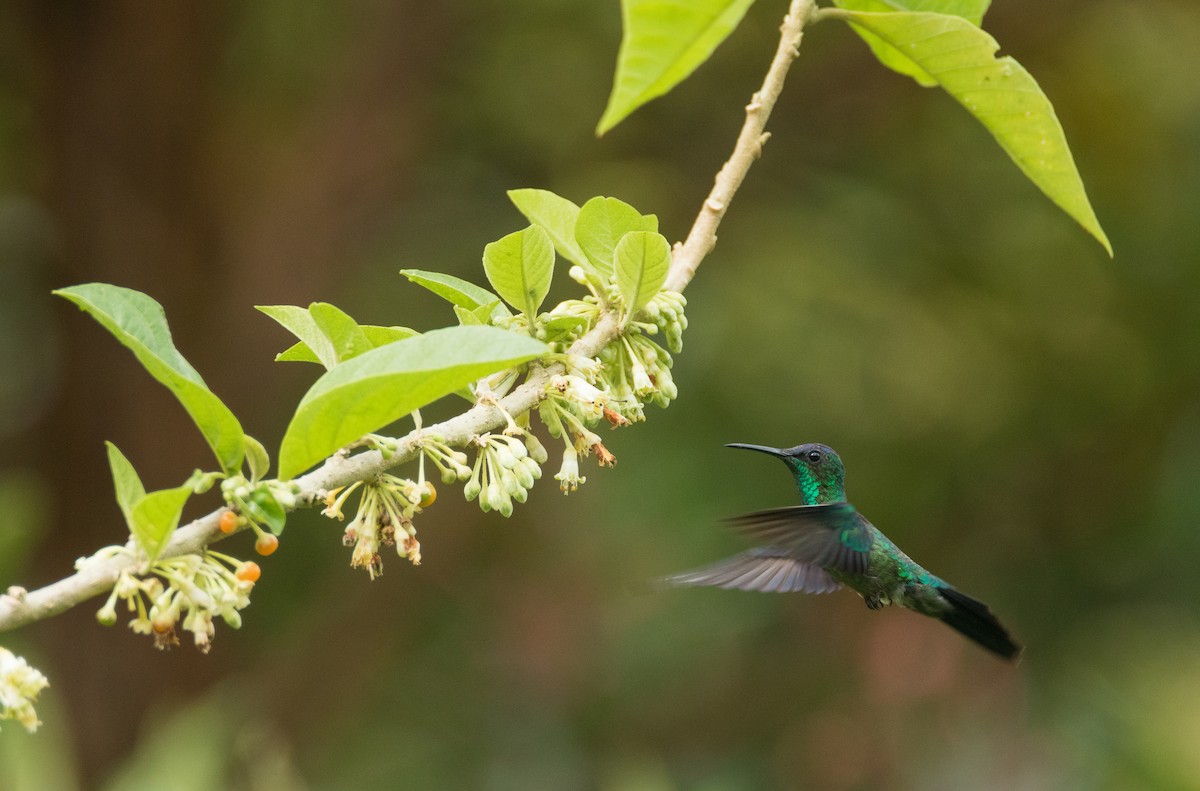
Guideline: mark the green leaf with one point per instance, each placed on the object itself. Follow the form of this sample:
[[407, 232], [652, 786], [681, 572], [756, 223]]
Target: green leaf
[[125, 480], [327, 334], [381, 336], [467, 318], [520, 266], [971, 10], [257, 459], [454, 289], [343, 332], [601, 224], [477, 317], [155, 516], [663, 42], [138, 322], [378, 336], [298, 352], [264, 509], [569, 325], [643, 258], [300, 322], [556, 215], [374, 389], [999, 93]]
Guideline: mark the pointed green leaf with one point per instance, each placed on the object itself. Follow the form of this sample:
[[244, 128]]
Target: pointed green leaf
[[298, 352], [300, 322], [343, 332], [385, 384], [381, 336], [264, 509], [601, 224], [477, 317], [155, 516], [565, 325], [643, 258], [257, 459], [467, 318], [378, 336], [327, 333], [520, 266], [454, 289], [664, 41], [140, 324], [556, 215], [999, 93], [971, 10], [125, 480]]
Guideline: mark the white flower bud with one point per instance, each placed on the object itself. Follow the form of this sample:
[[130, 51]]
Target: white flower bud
[[523, 475], [534, 469], [537, 451], [505, 457]]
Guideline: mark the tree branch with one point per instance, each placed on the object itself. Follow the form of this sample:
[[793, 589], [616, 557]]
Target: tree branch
[[18, 608], [703, 236]]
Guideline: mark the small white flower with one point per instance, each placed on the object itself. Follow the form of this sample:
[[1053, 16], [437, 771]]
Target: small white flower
[[568, 475]]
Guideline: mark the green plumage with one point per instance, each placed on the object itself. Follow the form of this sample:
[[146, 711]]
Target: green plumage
[[825, 543]]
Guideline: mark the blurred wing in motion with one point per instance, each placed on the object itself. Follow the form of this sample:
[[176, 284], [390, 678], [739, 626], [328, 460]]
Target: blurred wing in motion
[[833, 536], [765, 569]]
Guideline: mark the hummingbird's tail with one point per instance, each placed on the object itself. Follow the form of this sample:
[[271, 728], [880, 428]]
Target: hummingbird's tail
[[973, 619]]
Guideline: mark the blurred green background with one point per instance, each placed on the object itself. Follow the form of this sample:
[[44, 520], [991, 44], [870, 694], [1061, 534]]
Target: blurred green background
[[1016, 410]]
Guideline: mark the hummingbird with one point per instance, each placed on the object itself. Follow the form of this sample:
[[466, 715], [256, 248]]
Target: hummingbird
[[825, 544]]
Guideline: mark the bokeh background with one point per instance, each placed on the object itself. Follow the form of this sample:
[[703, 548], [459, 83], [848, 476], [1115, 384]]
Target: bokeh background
[[1019, 412]]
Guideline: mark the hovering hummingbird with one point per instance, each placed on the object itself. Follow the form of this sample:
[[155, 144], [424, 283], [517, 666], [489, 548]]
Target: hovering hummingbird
[[824, 544]]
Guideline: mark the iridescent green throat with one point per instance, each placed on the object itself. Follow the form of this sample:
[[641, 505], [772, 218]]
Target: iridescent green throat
[[813, 490]]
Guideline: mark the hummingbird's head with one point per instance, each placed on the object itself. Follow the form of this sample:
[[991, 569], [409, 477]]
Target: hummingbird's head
[[817, 468]]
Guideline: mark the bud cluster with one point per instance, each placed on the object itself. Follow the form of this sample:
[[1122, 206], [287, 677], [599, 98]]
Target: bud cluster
[[636, 370], [665, 311], [186, 590], [505, 468], [20, 685]]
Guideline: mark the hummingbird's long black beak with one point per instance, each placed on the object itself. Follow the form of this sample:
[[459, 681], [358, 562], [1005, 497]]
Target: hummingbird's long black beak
[[776, 452]]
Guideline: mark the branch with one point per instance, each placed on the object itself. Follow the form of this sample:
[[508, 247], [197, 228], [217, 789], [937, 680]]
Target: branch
[[703, 236], [18, 607]]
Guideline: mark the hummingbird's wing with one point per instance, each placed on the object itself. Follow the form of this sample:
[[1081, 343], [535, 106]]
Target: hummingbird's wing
[[766, 569], [832, 536]]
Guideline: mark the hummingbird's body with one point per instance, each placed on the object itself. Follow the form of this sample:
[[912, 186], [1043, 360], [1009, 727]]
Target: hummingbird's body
[[825, 543]]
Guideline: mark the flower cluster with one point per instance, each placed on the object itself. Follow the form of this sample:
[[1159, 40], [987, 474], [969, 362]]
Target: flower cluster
[[384, 518], [187, 590], [505, 468], [636, 370], [19, 688]]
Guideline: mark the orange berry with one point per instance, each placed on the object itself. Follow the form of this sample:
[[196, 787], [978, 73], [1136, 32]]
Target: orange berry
[[248, 571], [430, 497], [229, 522], [266, 544]]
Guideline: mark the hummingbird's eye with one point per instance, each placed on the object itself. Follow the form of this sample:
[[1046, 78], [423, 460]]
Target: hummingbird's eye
[[814, 456]]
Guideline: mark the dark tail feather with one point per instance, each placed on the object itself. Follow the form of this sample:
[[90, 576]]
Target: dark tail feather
[[973, 619]]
